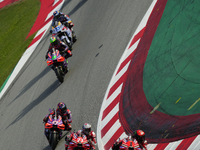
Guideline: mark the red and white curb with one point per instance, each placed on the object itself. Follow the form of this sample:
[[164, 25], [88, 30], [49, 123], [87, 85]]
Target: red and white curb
[[109, 127], [38, 37]]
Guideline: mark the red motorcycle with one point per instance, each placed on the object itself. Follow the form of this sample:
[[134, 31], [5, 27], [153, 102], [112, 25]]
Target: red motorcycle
[[78, 143], [126, 145]]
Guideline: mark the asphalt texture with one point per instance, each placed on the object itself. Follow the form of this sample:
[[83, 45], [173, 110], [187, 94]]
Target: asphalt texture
[[103, 30]]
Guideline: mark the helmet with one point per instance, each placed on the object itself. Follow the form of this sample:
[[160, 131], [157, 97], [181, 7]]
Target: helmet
[[139, 135], [56, 14], [53, 40], [86, 128], [62, 107]]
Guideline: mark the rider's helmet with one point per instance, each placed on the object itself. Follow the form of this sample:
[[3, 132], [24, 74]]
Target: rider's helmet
[[86, 128], [139, 135], [62, 107], [56, 14], [54, 40]]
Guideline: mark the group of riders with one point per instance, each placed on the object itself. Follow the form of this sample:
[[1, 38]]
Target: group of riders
[[55, 41], [86, 130], [65, 113]]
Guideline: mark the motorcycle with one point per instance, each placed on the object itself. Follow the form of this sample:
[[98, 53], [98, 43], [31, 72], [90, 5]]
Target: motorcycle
[[126, 145], [58, 64], [55, 127], [63, 32], [78, 143], [68, 23]]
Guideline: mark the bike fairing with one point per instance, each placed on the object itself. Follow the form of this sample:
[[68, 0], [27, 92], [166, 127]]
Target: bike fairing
[[126, 144], [59, 45], [53, 56], [91, 137], [63, 32], [138, 138], [57, 61], [53, 128], [64, 19], [77, 141], [52, 115]]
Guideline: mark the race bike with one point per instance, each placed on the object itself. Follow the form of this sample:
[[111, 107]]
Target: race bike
[[63, 32], [58, 63], [55, 127], [78, 143], [68, 23], [126, 145]]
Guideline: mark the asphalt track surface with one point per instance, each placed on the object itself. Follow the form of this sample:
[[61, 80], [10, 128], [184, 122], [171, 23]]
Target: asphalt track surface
[[103, 29]]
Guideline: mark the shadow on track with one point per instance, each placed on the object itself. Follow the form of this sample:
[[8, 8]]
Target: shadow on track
[[76, 7], [35, 102], [31, 83]]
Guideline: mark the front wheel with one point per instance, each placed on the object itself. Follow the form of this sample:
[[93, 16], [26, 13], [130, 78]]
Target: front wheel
[[54, 141], [74, 36], [59, 74]]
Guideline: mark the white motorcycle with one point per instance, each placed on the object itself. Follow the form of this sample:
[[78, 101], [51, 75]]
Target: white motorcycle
[[63, 32]]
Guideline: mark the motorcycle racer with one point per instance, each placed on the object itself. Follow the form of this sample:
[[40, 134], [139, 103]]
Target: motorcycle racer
[[66, 115], [61, 46], [86, 131], [120, 144], [64, 19], [139, 135], [59, 16]]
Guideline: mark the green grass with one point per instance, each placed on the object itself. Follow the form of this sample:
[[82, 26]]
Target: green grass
[[16, 22]]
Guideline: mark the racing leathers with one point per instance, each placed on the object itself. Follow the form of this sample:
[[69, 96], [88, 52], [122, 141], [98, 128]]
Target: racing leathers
[[66, 118], [65, 20]]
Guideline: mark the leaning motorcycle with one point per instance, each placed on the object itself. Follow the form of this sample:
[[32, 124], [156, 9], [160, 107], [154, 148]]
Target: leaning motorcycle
[[58, 63], [78, 143], [55, 127], [127, 145], [63, 32], [68, 23]]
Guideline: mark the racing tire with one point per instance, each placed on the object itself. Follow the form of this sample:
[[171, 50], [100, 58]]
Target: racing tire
[[74, 39], [54, 141], [59, 75]]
